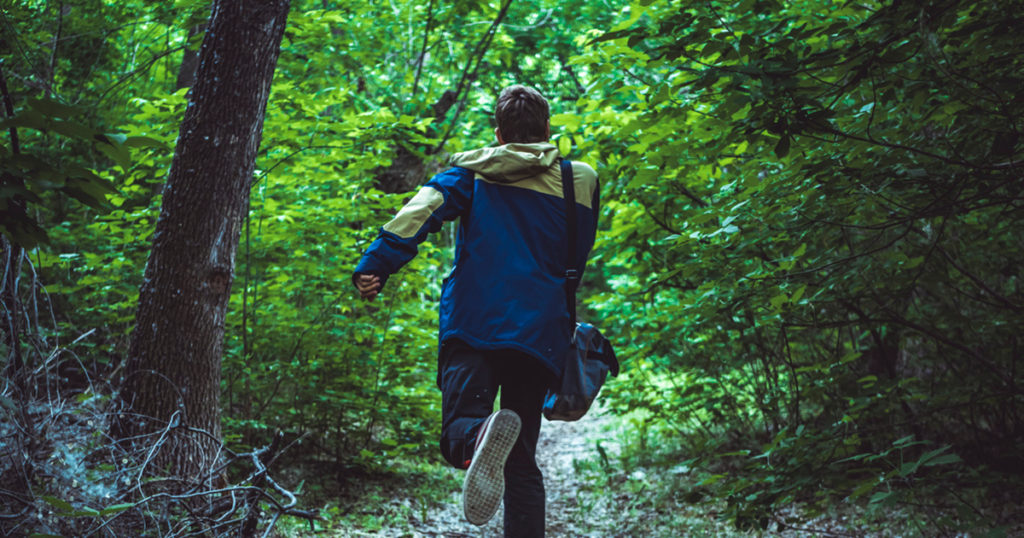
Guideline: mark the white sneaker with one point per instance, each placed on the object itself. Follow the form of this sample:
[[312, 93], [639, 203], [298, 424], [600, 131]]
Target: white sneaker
[[485, 480]]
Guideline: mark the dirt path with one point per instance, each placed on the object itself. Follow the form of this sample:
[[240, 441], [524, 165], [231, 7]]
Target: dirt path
[[588, 495], [560, 444]]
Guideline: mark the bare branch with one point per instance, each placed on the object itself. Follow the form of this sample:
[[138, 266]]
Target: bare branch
[[468, 75], [423, 49]]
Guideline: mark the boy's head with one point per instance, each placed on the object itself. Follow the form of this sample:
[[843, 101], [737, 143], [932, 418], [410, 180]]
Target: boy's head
[[522, 115]]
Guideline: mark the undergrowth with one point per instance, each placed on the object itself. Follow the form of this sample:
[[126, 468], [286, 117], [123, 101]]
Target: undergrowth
[[659, 485], [393, 500], [61, 474]]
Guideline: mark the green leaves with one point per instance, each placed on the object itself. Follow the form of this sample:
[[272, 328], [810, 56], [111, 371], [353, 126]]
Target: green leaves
[[54, 109], [808, 239], [782, 147], [60, 504], [774, 201], [116, 509], [29, 174], [66, 509]]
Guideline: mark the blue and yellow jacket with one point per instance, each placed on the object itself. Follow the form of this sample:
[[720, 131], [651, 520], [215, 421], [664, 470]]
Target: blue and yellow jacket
[[506, 288]]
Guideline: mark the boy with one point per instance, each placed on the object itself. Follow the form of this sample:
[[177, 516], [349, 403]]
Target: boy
[[503, 321]]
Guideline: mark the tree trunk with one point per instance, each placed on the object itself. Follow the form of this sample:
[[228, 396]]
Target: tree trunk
[[172, 375], [12, 221], [189, 60], [10, 264]]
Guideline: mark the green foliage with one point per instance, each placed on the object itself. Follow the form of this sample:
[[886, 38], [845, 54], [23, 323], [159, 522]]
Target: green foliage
[[30, 174], [811, 214], [301, 353], [809, 254]]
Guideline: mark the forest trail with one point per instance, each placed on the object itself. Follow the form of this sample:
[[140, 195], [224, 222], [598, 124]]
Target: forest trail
[[583, 500], [561, 445]]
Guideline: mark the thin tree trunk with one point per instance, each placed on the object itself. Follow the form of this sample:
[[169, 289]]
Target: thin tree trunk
[[423, 50], [173, 368], [14, 218], [14, 365], [189, 60]]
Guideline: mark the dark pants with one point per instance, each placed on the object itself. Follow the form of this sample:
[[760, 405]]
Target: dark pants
[[469, 381]]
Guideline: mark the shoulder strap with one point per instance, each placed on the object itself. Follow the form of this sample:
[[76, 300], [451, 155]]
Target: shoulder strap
[[572, 275]]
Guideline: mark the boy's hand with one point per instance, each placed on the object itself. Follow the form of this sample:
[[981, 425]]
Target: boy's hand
[[368, 286]]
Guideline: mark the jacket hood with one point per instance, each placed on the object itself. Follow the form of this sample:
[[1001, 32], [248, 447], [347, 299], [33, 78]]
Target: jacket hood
[[509, 163]]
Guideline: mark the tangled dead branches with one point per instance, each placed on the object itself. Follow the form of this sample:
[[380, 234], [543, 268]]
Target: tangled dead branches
[[61, 473]]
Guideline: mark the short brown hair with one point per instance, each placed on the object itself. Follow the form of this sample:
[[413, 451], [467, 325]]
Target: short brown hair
[[522, 114]]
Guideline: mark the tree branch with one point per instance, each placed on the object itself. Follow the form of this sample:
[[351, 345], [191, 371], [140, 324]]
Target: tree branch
[[53, 51], [468, 75], [423, 49], [128, 76], [282, 160], [981, 284], [9, 110]]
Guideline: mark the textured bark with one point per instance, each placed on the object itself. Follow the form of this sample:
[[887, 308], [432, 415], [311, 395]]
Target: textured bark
[[172, 373], [189, 60], [406, 172]]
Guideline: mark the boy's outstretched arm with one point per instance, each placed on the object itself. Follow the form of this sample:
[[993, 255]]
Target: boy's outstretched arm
[[446, 196]]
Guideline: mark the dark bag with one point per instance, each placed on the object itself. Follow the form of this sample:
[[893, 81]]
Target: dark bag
[[590, 357], [587, 365]]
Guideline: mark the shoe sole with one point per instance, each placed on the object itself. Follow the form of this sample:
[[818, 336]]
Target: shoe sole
[[484, 486]]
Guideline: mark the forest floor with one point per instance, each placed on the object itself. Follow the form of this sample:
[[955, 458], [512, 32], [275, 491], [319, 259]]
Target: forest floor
[[578, 502], [589, 493]]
